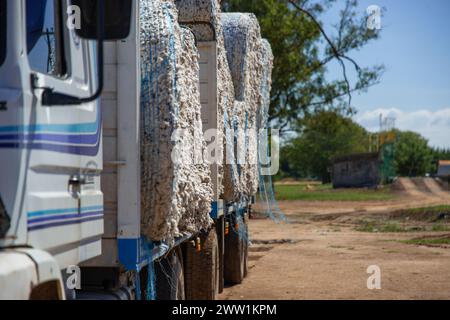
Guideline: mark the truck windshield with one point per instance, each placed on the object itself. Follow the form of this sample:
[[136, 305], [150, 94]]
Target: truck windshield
[[2, 31]]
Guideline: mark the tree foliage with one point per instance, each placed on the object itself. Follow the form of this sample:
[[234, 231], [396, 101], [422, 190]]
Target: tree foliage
[[439, 154], [324, 135], [300, 82], [413, 156], [329, 134]]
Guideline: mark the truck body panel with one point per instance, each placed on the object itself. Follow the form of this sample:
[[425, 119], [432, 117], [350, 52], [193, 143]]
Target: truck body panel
[[208, 97], [121, 145]]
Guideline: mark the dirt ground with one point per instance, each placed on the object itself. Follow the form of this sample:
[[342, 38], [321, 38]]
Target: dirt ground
[[319, 254]]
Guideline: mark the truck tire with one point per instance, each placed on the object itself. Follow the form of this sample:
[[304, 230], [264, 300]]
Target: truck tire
[[202, 269], [235, 254], [170, 277]]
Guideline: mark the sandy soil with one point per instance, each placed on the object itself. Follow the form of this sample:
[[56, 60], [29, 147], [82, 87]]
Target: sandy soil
[[318, 254]]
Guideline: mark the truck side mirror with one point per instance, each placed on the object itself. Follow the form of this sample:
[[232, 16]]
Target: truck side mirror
[[117, 19]]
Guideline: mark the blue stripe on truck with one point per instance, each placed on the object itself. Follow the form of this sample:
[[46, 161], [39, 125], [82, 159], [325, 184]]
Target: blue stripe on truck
[[59, 211], [79, 138], [44, 219], [64, 223]]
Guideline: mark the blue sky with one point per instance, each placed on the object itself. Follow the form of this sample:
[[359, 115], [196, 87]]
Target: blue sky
[[415, 49]]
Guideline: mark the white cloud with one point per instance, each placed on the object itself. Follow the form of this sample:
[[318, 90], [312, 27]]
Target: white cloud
[[433, 125]]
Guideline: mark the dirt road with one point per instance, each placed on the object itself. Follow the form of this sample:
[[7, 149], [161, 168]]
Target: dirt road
[[322, 252]]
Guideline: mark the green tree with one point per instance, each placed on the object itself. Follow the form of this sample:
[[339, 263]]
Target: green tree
[[413, 156], [300, 82], [439, 154], [324, 135]]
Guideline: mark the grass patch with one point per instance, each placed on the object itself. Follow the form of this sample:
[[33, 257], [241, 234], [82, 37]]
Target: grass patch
[[427, 219], [320, 192], [428, 241], [428, 210], [440, 228], [390, 227], [396, 227], [434, 213], [341, 247], [336, 247]]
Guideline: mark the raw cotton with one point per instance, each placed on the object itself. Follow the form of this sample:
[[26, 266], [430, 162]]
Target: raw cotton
[[176, 190], [203, 17], [244, 49], [266, 84], [266, 191]]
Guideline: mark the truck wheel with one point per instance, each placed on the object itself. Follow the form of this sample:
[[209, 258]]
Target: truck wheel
[[170, 277], [202, 269], [235, 255]]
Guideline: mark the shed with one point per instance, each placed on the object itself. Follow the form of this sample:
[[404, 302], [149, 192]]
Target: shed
[[357, 171]]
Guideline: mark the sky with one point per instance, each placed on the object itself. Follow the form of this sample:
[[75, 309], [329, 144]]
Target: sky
[[415, 49]]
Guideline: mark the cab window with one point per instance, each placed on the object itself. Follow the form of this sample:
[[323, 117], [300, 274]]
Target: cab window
[[45, 37]]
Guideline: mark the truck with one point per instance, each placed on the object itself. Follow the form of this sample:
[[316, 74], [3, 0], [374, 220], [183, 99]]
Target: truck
[[70, 164]]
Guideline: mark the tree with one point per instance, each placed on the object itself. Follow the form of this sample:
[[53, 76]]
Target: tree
[[300, 85], [439, 154], [324, 135], [413, 156]]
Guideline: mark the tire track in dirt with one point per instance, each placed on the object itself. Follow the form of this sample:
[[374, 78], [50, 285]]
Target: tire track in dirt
[[436, 189], [409, 187], [326, 258]]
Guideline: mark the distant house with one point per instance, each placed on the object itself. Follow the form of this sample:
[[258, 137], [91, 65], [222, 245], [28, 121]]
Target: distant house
[[444, 169], [357, 171]]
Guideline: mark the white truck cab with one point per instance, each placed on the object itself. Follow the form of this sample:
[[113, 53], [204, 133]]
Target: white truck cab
[[51, 211], [70, 163]]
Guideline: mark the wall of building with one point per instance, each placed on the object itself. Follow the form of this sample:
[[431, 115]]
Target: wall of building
[[356, 171]]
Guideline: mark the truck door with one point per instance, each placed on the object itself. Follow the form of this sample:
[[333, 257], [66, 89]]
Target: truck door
[[63, 202]]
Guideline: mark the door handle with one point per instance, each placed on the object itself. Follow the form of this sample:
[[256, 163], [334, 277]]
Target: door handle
[[76, 181]]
